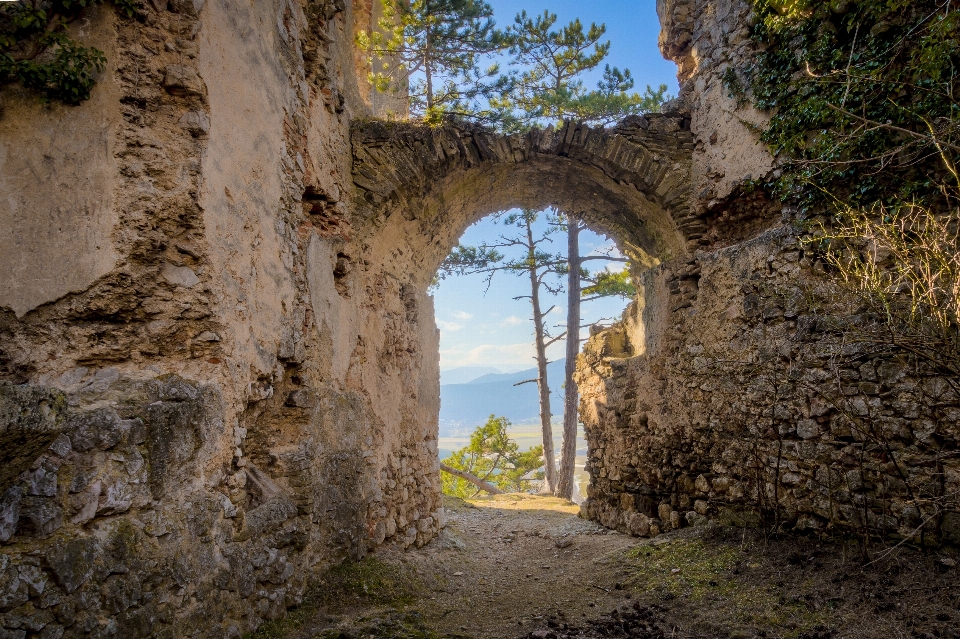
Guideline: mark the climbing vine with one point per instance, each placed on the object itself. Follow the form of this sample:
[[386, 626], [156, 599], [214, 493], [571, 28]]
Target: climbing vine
[[38, 52], [863, 98]]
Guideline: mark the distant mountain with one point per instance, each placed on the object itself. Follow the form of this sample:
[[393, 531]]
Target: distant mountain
[[466, 374], [463, 407]]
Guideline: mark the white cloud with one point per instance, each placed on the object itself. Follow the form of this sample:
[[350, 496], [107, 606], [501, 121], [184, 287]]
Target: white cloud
[[462, 316], [450, 327], [502, 356], [607, 249], [513, 320]]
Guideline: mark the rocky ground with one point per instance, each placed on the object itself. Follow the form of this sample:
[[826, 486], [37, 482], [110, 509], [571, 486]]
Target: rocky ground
[[527, 566]]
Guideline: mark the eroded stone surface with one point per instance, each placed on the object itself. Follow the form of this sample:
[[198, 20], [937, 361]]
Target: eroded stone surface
[[31, 418], [72, 154], [729, 390], [251, 379], [213, 461]]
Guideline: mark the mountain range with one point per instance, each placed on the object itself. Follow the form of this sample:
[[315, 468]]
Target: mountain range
[[467, 404]]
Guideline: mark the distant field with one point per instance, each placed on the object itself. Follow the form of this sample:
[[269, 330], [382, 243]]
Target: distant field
[[527, 436]]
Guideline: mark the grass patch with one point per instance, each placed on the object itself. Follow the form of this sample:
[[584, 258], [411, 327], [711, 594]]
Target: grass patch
[[730, 585], [683, 567], [294, 620], [370, 582]]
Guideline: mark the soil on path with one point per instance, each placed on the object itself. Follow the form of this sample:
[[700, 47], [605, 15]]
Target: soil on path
[[516, 566]]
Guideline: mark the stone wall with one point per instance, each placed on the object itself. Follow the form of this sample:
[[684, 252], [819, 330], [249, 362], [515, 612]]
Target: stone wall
[[210, 389], [218, 356], [731, 389]]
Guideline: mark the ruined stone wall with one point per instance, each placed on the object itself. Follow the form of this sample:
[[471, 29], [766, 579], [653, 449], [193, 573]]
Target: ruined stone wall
[[218, 357], [209, 388], [730, 390]]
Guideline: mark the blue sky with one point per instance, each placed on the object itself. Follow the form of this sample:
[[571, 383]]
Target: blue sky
[[493, 329], [632, 28]]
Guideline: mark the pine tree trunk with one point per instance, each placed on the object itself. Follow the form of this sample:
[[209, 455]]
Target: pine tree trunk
[[428, 72], [549, 459], [568, 449]]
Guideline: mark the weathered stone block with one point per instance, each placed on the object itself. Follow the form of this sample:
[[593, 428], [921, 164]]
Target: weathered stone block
[[182, 80], [179, 275], [73, 563], [12, 591], [638, 524], [807, 429], [99, 428], [39, 517], [188, 7], [950, 528], [9, 512], [302, 398], [31, 418], [173, 435]]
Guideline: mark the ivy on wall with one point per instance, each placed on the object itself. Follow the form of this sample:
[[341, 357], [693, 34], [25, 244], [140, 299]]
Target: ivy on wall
[[863, 98], [37, 51]]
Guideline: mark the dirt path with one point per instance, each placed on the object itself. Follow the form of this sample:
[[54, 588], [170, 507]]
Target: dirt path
[[523, 559], [525, 566]]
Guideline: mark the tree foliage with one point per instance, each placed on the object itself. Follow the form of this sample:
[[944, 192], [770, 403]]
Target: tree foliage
[[607, 283], [613, 101], [490, 260], [37, 51], [433, 50], [494, 457], [865, 117], [549, 88], [862, 95]]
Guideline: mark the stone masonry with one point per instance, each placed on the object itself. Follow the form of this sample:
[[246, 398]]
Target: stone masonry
[[210, 392], [729, 391], [218, 356]]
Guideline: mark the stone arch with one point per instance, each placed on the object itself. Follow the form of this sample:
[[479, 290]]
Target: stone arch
[[415, 191], [419, 188]]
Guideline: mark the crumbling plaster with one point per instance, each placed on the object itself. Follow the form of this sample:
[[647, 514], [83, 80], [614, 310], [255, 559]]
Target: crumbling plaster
[[57, 170], [241, 396], [246, 388]]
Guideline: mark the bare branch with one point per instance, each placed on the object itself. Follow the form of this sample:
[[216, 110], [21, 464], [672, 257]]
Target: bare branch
[[557, 338], [893, 128]]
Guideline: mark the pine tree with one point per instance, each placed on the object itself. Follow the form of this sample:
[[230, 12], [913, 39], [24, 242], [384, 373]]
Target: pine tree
[[549, 89], [612, 101], [604, 284], [536, 264], [433, 49], [491, 461]]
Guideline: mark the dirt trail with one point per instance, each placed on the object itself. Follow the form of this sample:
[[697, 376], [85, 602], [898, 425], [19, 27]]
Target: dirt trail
[[526, 566], [523, 559]]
